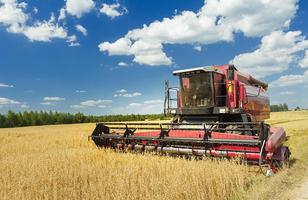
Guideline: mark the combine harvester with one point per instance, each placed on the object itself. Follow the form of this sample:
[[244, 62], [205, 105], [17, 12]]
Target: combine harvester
[[220, 113]]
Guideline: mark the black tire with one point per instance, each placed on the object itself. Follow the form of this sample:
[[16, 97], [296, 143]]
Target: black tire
[[99, 130]]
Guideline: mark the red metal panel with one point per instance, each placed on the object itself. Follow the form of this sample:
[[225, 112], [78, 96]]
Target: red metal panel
[[276, 139], [238, 148], [197, 134]]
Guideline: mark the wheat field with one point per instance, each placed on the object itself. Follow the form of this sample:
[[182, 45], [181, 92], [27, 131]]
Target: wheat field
[[58, 162]]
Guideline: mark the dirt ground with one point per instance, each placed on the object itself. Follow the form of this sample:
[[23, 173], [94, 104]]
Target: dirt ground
[[301, 191]]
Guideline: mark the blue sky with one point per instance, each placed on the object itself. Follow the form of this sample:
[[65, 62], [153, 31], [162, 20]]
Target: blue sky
[[111, 57]]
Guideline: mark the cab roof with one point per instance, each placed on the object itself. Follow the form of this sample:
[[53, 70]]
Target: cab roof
[[218, 69]]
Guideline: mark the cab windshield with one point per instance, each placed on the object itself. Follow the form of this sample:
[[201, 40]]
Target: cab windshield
[[199, 90]]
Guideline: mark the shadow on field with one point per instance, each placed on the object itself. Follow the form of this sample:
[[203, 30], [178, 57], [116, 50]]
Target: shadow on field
[[292, 161]]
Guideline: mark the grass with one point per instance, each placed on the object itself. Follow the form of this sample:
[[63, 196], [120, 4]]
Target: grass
[[58, 162]]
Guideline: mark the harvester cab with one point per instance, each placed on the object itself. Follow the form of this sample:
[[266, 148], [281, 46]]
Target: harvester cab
[[218, 93], [219, 112]]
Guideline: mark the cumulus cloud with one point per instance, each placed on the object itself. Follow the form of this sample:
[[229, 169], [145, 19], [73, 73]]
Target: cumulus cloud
[[25, 106], [122, 64], [124, 93], [48, 103], [121, 91], [119, 47], [78, 8], [100, 103], [7, 101], [290, 80], [276, 52], [45, 31], [145, 52], [147, 103], [145, 107], [216, 21], [62, 14], [72, 41], [197, 47], [135, 94], [53, 99], [113, 10], [6, 85], [74, 44], [14, 17], [81, 29]]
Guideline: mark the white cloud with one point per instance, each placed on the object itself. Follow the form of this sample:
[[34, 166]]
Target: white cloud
[[12, 15], [122, 64], [135, 104], [135, 94], [45, 31], [276, 52], [6, 85], [74, 44], [146, 107], [287, 93], [24, 106], [79, 7], [81, 29], [53, 99], [216, 21], [121, 91], [304, 62], [197, 47], [62, 14], [124, 93], [113, 10], [80, 91], [6, 101], [35, 10], [145, 52], [155, 101], [147, 103], [101, 103], [290, 80], [72, 40], [48, 103], [76, 106], [119, 47]]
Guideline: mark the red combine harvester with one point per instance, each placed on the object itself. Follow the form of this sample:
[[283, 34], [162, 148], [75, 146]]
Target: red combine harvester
[[220, 112]]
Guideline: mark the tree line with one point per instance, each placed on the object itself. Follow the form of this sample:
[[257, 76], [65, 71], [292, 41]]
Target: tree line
[[279, 108], [35, 118]]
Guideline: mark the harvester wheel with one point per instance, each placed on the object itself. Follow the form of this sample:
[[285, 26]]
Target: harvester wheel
[[284, 161], [100, 129]]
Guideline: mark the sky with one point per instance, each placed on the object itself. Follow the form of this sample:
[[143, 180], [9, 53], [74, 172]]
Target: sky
[[112, 57]]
